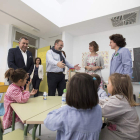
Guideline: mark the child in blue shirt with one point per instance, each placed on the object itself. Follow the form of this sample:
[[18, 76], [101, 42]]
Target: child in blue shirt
[[101, 93], [81, 118]]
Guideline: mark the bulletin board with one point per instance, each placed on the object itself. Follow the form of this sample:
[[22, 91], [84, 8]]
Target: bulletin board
[[41, 52]]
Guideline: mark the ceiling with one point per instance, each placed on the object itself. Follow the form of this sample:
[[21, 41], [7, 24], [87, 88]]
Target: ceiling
[[26, 19]]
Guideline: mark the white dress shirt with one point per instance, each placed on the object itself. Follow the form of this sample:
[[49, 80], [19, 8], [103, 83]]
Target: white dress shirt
[[24, 54], [52, 59]]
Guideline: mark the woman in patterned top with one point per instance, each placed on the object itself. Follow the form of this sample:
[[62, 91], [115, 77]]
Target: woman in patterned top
[[94, 62]]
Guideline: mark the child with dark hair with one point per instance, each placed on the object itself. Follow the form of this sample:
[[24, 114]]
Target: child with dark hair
[[81, 118], [101, 93], [15, 94]]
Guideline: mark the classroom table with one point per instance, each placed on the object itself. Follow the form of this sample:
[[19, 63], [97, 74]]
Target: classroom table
[[39, 119], [34, 107]]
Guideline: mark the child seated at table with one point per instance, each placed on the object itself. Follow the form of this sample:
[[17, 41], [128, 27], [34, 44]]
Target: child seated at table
[[81, 118], [101, 93], [122, 119], [15, 94]]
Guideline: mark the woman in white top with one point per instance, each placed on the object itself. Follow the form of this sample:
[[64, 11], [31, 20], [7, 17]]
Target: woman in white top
[[119, 109], [94, 62], [37, 75]]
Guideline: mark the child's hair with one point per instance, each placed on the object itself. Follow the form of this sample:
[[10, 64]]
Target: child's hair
[[82, 91], [98, 78], [122, 85], [15, 75]]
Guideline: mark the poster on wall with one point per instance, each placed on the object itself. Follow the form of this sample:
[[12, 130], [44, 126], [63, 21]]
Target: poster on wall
[[105, 55]]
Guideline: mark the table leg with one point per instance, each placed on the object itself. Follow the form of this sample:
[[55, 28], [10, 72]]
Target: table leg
[[13, 120], [40, 130], [34, 131], [26, 129], [1, 130]]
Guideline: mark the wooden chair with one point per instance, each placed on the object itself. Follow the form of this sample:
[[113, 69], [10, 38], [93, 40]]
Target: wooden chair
[[17, 134]]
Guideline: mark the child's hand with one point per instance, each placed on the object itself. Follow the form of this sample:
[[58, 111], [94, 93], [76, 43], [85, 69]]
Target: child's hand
[[27, 85], [33, 92]]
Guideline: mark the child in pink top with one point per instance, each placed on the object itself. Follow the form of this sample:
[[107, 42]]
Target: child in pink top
[[15, 94]]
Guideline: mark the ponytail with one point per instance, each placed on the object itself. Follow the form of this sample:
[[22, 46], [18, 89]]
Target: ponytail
[[15, 75], [98, 79], [9, 73]]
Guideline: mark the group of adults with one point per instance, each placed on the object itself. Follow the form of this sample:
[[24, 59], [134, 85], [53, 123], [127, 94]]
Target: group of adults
[[20, 57]]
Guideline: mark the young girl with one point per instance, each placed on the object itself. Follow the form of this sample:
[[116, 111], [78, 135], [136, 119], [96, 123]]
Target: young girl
[[101, 93], [122, 119], [81, 118], [15, 94]]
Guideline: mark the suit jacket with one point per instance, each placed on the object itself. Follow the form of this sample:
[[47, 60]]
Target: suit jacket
[[40, 72], [15, 60]]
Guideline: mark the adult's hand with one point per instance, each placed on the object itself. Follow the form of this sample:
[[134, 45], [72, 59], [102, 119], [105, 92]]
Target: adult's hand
[[95, 68], [61, 64], [88, 68], [77, 67]]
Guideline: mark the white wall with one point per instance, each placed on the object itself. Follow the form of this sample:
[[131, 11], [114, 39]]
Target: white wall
[[53, 39], [81, 44], [43, 43], [68, 46], [5, 39]]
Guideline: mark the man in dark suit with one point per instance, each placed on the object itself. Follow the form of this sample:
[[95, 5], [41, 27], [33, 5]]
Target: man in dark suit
[[20, 57]]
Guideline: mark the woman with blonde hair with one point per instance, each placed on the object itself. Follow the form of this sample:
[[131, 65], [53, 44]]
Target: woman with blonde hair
[[122, 118]]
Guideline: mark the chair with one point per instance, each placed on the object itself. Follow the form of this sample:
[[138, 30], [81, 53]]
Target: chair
[[1, 83], [3, 89], [17, 134]]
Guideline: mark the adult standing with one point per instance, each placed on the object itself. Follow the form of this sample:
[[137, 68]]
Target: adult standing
[[20, 57], [121, 61], [37, 75], [56, 63], [94, 62]]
